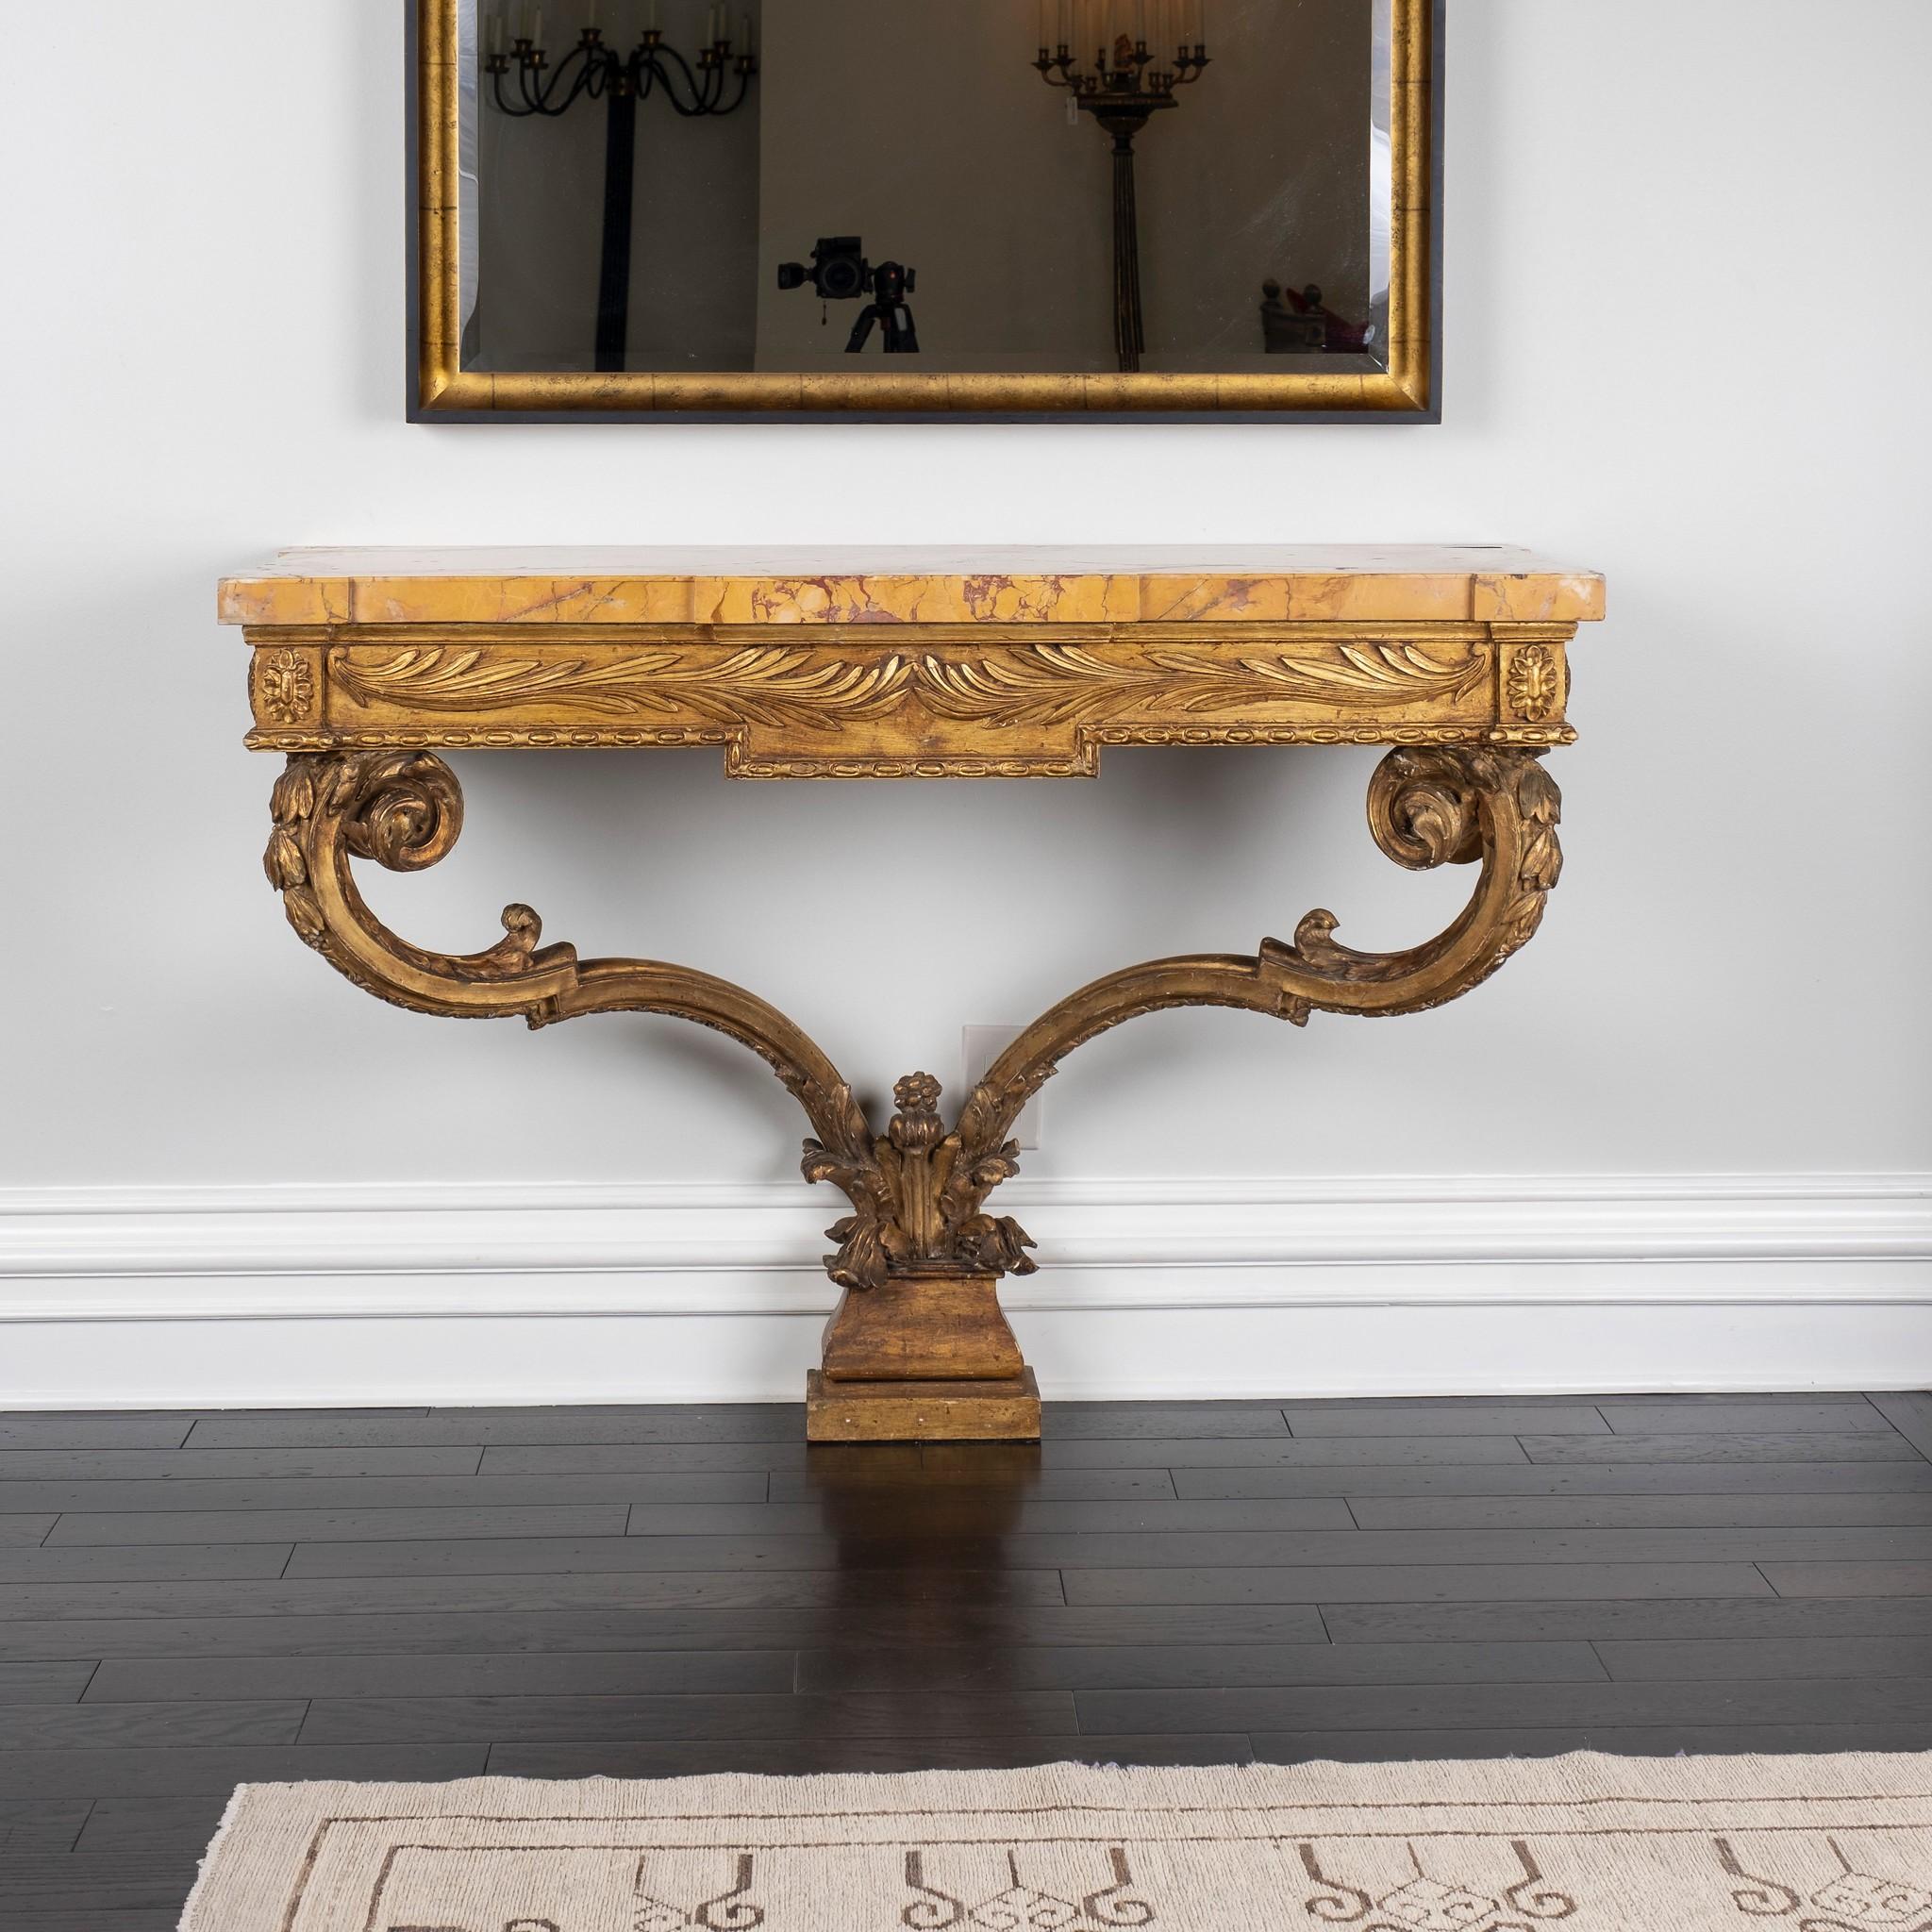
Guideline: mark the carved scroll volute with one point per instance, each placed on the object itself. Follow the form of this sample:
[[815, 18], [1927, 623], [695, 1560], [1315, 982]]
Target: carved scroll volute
[[404, 810], [1429, 808]]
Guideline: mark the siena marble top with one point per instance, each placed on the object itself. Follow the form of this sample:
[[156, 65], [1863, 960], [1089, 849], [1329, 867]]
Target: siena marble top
[[1142, 584]]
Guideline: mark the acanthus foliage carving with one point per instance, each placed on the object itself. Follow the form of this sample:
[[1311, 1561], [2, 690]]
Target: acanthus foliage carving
[[1060, 684], [1038, 684], [760, 685], [918, 1192]]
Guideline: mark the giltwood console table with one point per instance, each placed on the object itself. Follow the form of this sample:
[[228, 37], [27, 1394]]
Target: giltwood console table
[[910, 665]]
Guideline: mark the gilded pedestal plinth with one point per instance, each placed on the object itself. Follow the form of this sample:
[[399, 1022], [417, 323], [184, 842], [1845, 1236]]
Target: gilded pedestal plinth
[[918, 1346]]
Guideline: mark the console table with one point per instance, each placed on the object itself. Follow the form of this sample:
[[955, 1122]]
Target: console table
[[903, 664]]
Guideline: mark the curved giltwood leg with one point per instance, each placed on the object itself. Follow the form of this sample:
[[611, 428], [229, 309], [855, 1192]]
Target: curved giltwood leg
[[1427, 808], [403, 810]]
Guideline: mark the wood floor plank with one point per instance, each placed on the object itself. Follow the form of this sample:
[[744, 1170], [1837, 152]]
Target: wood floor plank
[[666, 1458], [1452, 1418], [151, 1826], [28, 1530], [673, 1424], [972, 1465], [959, 1625], [1910, 1415], [87, 1919], [1850, 1579], [1400, 1404], [108, 1495], [175, 1772], [1527, 1706], [128, 1527], [57, 1682], [107, 1883], [158, 1465], [1899, 1510], [583, 1673], [922, 1516], [800, 1756], [592, 1719], [1297, 1452], [1413, 1583], [1096, 1667], [33, 1824], [34, 1431], [1531, 1621], [114, 1727], [592, 1555], [1074, 1552], [1742, 1414], [1763, 1659], [1363, 1746], [810, 1485], [617, 1590], [1568, 1479], [1758, 1446], [185, 1415], [112, 1564], [1090, 1421]]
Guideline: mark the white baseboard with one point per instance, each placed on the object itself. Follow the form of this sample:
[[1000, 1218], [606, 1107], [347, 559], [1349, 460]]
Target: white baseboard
[[320, 1295]]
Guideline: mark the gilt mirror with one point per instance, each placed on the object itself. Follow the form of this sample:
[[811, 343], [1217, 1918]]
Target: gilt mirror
[[957, 208]]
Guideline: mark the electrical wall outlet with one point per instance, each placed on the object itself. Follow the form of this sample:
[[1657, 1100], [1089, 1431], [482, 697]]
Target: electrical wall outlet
[[979, 1046]]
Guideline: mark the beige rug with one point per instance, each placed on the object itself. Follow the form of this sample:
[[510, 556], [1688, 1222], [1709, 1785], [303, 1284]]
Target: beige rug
[[1818, 1844]]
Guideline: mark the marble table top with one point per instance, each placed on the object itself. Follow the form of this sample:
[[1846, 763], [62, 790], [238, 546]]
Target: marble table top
[[828, 585]]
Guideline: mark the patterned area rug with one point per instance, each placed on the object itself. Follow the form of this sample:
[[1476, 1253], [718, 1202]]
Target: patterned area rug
[[1818, 1844]]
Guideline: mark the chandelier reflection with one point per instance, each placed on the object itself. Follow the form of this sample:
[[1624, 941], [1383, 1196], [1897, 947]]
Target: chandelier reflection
[[697, 88], [1128, 81]]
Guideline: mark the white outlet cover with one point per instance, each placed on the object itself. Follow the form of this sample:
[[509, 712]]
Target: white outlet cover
[[979, 1046]]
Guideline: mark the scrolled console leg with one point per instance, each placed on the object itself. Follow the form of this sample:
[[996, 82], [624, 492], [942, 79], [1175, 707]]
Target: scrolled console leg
[[918, 1347]]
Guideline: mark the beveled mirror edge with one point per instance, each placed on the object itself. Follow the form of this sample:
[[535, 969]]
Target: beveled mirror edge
[[440, 391]]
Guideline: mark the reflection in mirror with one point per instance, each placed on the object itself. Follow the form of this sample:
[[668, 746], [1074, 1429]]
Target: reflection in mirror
[[1027, 186]]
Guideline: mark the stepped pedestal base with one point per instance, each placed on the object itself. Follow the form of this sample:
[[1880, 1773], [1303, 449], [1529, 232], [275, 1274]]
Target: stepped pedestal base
[[1004, 1411]]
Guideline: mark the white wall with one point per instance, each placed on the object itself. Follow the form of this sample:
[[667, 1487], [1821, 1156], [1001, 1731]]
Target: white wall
[[1687, 324]]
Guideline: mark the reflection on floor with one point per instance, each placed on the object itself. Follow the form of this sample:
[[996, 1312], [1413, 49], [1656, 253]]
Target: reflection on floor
[[187, 1602]]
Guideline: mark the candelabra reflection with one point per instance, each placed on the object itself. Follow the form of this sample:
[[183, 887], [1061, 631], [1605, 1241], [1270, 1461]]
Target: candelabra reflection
[[523, 84], [1125, 86]]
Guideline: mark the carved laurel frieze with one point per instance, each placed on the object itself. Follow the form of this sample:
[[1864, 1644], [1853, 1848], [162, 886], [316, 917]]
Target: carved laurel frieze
[[1038, 684], [761, 685], [1060, 684]]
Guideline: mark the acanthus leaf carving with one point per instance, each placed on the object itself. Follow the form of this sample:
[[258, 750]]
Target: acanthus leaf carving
[[1040, 684], [1048, 684], [775, 684]]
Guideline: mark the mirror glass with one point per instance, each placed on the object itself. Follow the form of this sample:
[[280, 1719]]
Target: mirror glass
[[1028, 186]]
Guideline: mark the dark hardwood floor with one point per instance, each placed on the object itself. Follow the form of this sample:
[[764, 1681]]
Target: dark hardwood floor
[[187, 1602]]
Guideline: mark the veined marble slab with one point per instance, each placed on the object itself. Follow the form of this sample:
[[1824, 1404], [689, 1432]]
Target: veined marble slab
[[1143, 584]]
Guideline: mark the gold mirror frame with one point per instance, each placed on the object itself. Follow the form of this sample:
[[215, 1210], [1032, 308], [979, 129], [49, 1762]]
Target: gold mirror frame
[[440, 389]]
